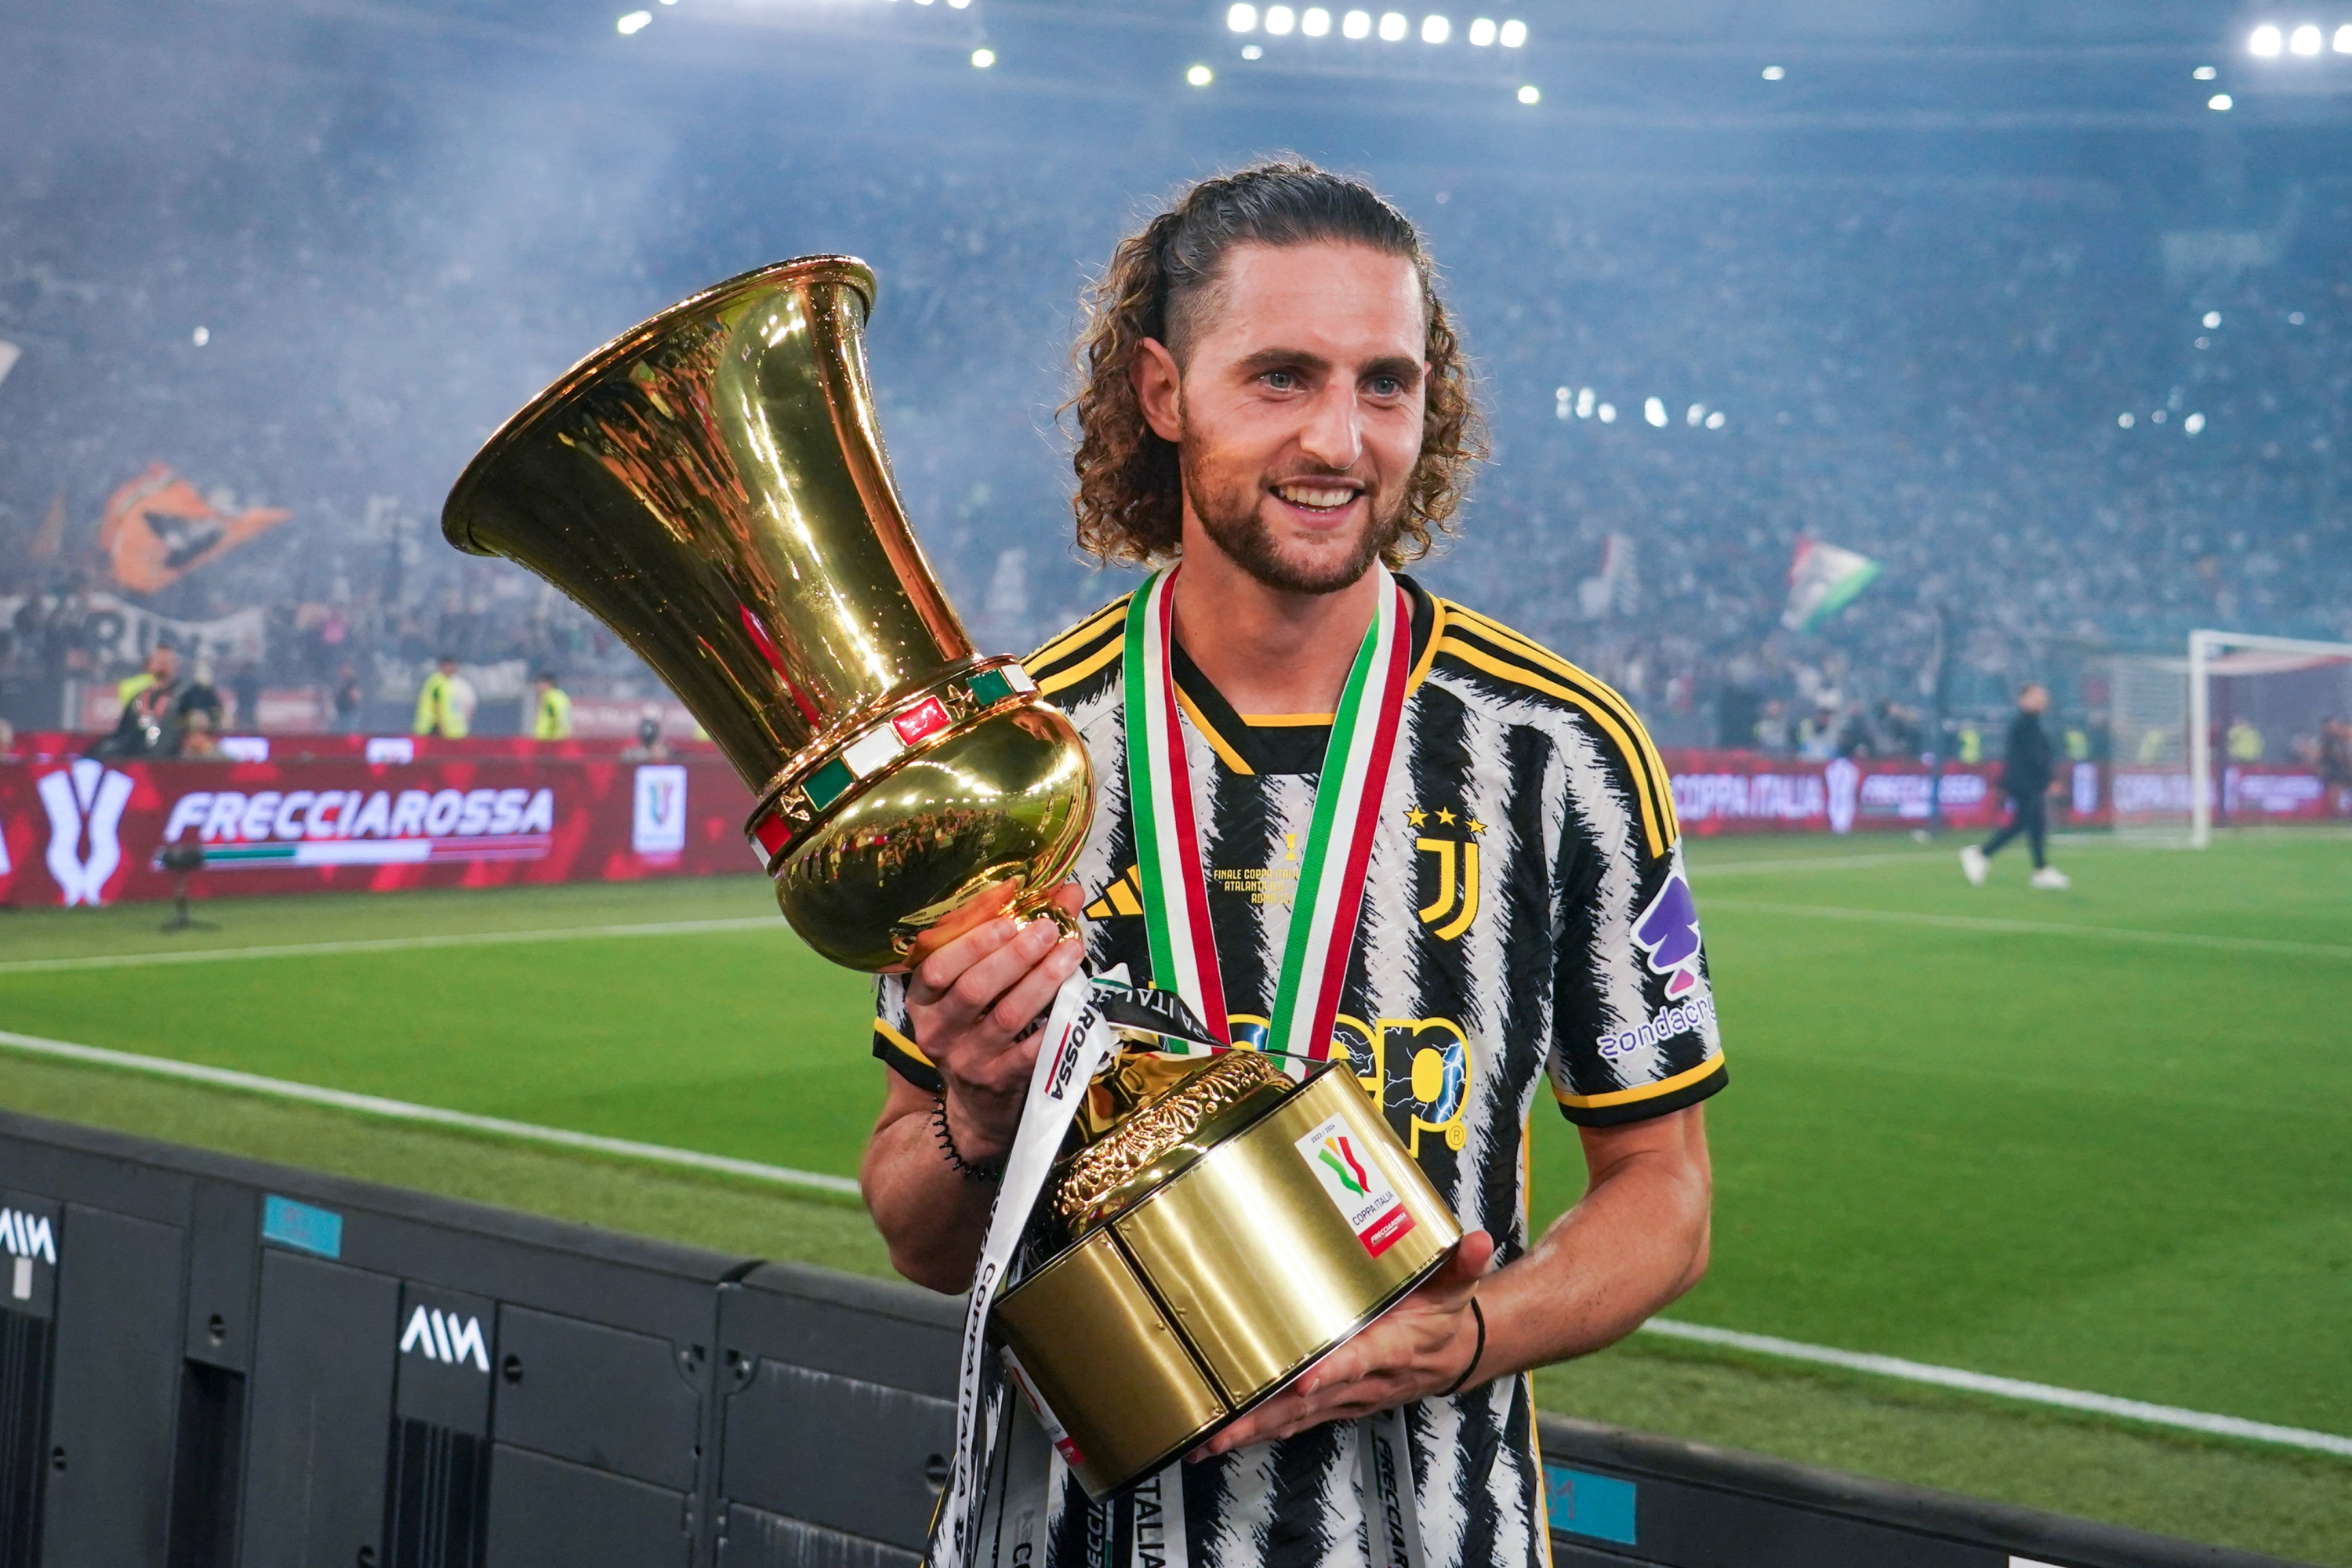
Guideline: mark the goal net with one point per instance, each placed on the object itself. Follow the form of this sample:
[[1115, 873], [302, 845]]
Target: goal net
[[2275, 718]]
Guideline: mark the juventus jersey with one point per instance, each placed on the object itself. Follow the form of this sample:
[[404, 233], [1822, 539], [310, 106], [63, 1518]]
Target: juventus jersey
[[1527, 926]]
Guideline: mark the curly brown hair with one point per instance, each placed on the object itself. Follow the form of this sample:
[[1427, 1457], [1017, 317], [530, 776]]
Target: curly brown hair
[[1130, 500]]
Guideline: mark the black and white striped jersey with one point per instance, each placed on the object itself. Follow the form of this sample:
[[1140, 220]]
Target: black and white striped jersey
[[1527, 925]]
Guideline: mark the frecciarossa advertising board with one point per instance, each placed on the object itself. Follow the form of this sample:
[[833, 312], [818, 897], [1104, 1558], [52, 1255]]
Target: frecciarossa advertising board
[[84, 831]]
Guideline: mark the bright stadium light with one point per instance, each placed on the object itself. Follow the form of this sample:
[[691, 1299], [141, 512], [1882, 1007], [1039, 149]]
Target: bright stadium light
[[2305, 41], [983, 59], [2203, 73], [2212, 319], [1697, 414], [2194, 424], [1242, 18], [1279, 20], [2263, 41], [1714, 420], [1314, 21], [1357, 24], [1529, 95], [2124, 420], [1654, 409], [200, 337], [1774, 73], [2344, 39], [634, 22], [2221, 102], [1199, 75], [1436, 29], [1512, 34], [1609, 414], [1584, 402], [1252, 52], [1392, 26], [1482, 32]]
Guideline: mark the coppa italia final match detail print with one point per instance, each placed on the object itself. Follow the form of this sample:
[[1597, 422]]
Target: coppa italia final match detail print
[[86, 832]]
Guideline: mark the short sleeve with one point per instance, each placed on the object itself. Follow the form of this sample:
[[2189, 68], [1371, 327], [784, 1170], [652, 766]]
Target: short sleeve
[[1634, 1033], [894, 1035]]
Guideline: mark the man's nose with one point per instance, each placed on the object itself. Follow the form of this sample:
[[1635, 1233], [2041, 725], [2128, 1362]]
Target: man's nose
[[1332, 436]]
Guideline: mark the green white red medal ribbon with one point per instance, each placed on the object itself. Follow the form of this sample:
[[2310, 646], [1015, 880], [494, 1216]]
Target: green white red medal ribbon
[[1338, 847]]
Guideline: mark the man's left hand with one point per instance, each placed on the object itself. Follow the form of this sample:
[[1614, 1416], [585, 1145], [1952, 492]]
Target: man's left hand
[[1417, 1348]]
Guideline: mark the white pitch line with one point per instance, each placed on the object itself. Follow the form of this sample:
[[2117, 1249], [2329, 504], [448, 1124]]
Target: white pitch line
[[2038, 928], [1703, 870], [387, 945], [2007, 1387], [402, 1110]]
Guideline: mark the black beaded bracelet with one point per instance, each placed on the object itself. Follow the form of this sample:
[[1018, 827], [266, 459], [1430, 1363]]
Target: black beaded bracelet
[[1476, 1355], [985, 1170]]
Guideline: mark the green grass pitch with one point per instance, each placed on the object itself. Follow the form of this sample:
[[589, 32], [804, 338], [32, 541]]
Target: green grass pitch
[[2097, 1139]]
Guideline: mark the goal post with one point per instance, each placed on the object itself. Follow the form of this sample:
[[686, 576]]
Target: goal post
[[2227, 654]]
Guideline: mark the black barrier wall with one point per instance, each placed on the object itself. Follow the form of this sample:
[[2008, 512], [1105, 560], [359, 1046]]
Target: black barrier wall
[[206, 1362]]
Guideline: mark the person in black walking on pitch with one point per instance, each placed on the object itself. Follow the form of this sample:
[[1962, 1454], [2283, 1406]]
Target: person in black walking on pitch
[[2026, 775]]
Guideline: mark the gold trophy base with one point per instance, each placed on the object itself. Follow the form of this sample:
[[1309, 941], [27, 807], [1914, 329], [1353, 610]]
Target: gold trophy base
[[1222, 1283]]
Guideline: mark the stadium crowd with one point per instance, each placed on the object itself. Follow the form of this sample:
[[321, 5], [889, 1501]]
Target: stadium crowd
[[2056, 428]]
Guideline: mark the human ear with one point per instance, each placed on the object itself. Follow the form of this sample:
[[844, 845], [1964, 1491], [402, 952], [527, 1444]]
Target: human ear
[[1159, 388]]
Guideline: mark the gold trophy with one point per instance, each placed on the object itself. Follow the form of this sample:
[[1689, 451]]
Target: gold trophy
[[712, 486]]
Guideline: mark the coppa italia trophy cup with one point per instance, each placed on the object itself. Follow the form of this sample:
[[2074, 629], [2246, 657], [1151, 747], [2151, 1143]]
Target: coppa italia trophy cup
[[712, 487]]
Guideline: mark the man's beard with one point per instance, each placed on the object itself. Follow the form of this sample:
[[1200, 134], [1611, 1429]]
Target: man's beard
[[1236, 525]]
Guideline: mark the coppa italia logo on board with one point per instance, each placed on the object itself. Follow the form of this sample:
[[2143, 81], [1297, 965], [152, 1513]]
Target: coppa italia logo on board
[[360, 827], [1354, 1180], [85, 804]]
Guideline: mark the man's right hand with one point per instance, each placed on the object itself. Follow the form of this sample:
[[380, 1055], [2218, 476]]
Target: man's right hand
[[980, 985]]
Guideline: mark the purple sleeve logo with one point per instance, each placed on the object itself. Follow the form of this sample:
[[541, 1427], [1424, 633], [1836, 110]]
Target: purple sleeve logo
[[1668, 932]]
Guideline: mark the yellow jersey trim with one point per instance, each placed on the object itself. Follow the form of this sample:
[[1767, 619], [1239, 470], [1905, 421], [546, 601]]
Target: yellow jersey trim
[[1599, 691], [1077, 637], [1437, 608], [1217, 744], [882, 1028], [1049, 684], [1656, 829], [1643, 1091]]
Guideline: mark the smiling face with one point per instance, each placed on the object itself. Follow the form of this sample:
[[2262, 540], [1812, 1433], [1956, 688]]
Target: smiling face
[[1297, 411]]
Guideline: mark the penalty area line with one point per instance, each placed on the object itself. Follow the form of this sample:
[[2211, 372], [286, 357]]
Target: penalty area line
[[2006, 1388], [432, 1115], [388, 944]]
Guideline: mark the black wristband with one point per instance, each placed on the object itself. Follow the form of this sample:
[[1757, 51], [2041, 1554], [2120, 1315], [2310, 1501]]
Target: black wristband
[[994, 1170], [1476, 1355]]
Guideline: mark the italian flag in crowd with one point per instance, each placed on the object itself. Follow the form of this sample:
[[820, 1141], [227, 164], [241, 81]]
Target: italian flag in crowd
[[1823, 580]]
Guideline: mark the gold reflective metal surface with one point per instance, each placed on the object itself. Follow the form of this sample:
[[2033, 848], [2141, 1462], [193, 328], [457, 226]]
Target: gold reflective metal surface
[[712, 486], [1151, 1140], [1108, 1365], [1223, 1246]]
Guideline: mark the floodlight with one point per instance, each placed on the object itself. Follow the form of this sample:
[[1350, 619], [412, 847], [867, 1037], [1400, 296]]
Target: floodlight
[[1279, 20], [2124, 420], [1242, 18], [1482, 31], [1609, 414], [1512, 34], [983, 59], [1314, 21], [1392, 26], [1252, 52], [2221, 102], [1357, 24], [952, 5], [2264, 41], [634, 22], [1199, 75], [2305, 41], [1774, 73], [2193, 423], [1584, 402], [1436, 29], [200, 337], [1697, 414], [1528, 94], [2212, 318], [1714, 420], [2204, 73], [2344, 39], [1654, 411]]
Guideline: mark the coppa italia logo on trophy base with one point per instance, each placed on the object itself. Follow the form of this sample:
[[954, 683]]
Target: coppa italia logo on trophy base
[[1354, 1182]]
